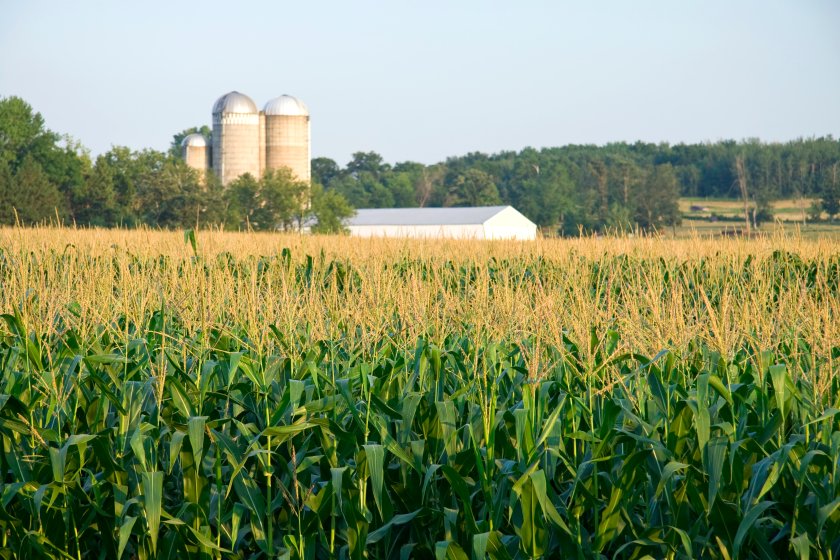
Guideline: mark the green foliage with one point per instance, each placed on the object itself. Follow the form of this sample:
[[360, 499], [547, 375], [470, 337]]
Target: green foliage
[[168, 193], [95, 201], [329, 209], [657, 199], [43, 172], [830, 196], [473, 187], [275, 201], [29, 196], [21, 132]]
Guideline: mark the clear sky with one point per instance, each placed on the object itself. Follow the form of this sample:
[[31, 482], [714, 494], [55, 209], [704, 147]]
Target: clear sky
[[425, 80]]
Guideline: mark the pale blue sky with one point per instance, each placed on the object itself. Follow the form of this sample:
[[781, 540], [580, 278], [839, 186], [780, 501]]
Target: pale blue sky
[[425, 80]]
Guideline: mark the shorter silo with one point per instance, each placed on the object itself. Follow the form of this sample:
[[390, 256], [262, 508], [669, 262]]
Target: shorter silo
[[287, 136], [196, 152]]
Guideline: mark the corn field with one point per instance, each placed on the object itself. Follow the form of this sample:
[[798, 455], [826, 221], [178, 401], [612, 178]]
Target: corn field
[[223, 395]]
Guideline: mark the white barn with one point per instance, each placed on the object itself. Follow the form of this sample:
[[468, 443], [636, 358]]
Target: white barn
[[482, 222]]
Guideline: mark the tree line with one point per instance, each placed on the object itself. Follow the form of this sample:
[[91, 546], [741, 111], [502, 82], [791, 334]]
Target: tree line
[[593, 188], [46, 176]]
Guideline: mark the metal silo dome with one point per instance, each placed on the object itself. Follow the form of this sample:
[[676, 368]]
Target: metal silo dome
[[194, 140], [234, 102], [286, 105]]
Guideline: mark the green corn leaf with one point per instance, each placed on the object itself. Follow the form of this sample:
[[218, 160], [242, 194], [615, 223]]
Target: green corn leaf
[[448, 550], [447, 417], [249, 494], [152, 485], [490, 545], [702, 422], [670, 469], [296, 390], [462, 490], [746, 524], [716, 383], [175, 444], [10, 404], [801, 545], [395, 521], [138, 445], [235, 521], [714, 456], [611, 524], [57, 460], [825, 512], [106, 359], [189, 236], [195, 428], [479, 545], [125, 532], [540, 489], [778, 375], [829, 413], [684, 539], [203, 539], [180, 397], [337, 477], [375, 461]]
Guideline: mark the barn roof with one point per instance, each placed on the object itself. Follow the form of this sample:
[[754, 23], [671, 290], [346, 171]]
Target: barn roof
[[425, 216]]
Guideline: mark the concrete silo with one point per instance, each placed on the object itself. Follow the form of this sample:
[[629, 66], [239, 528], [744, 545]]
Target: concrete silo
[[196, 152], [236, 137], [287, 136]]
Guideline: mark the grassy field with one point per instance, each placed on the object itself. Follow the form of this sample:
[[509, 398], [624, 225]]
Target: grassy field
[[790, 217], [260, 396], [789, 210]]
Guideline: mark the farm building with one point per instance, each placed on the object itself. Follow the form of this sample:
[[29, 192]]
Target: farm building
[[247, 140], [483, 222]]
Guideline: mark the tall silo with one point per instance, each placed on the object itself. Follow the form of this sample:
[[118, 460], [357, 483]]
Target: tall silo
[[287, 136], [236, 137], [196, 152]]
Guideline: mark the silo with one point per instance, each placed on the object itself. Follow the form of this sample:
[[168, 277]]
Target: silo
[[236, 137], [287, 136], [196, 152]]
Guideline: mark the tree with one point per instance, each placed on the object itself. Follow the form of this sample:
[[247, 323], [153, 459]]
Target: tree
[[7, 194], [94, 202], [324, 170], [62, 161], [276, 201], [472, 188], [21, 131], [283, 200], [329, 209], [830, 198], [369, 162], [242, 200], [168, 192], [32, 195], [400, 185], [657, 199], [426, 181]]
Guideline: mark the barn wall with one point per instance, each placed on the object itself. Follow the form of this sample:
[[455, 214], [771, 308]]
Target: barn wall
[[511, 232], [510, 224], [426, 231]]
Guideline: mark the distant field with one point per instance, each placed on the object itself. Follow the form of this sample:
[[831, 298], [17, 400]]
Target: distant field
[[791, 216], [236, 395]]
